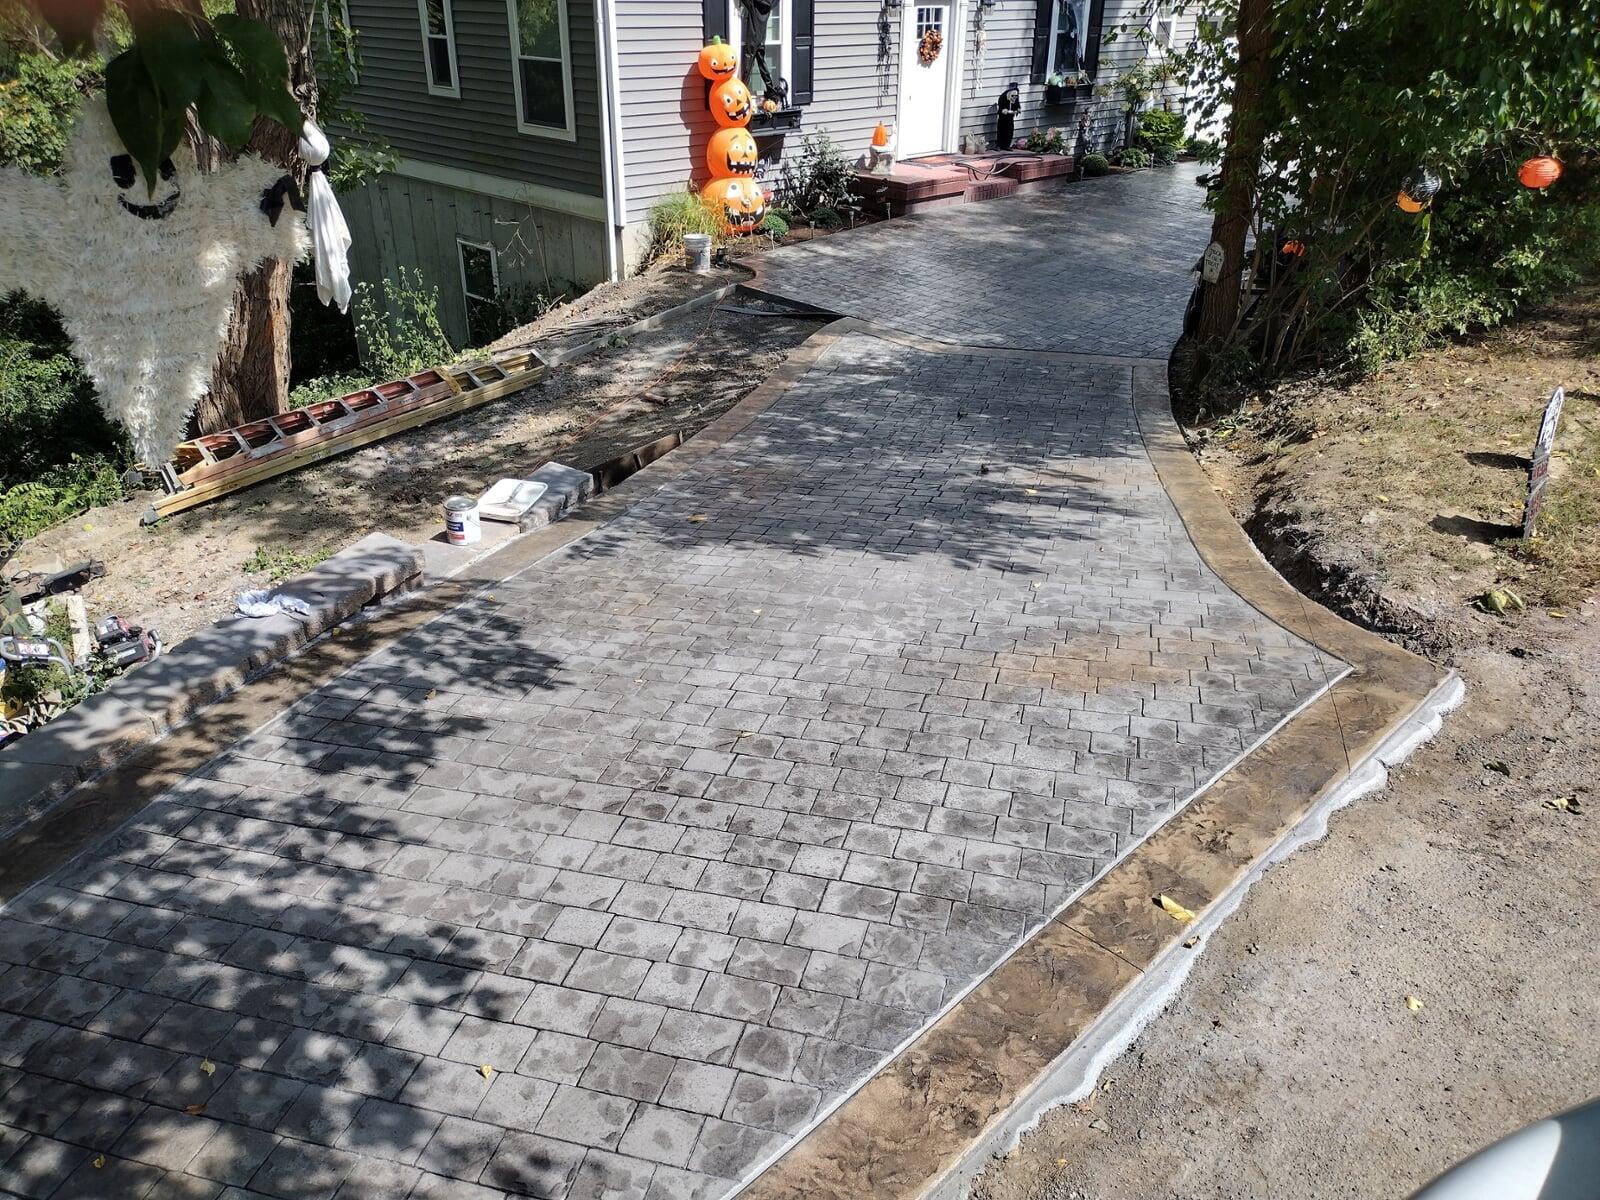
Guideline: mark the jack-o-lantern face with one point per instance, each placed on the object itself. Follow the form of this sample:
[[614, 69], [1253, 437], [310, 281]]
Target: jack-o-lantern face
[[717, 61], [732, 152], [731, 104], [739, 202]]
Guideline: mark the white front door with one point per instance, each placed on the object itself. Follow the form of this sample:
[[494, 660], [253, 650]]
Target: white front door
[[924, 86]]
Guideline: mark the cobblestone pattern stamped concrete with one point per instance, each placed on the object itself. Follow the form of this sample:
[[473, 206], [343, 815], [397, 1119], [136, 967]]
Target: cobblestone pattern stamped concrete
[[606, 884], [1101, 267]]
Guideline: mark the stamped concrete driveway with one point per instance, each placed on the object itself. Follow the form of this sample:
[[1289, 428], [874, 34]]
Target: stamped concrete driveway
[[609, 882]]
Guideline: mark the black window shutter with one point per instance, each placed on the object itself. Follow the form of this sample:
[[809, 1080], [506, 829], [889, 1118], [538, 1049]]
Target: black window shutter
[[716, 19], [802, 52], [1091, 50], [1041, 40]]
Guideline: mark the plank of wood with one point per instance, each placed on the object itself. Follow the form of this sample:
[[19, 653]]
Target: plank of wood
[[177, 502]]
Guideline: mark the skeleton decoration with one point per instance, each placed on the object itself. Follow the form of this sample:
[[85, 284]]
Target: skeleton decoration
[[144, 284]]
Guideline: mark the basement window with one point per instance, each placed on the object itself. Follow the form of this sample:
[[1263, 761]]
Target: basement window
[[480, 283], [541, 68], [439, 47]]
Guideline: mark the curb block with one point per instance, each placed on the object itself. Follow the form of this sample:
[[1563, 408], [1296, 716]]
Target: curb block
[[143, 705]]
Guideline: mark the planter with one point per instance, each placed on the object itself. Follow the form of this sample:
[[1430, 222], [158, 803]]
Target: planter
[[1058, 95], [782, 121]]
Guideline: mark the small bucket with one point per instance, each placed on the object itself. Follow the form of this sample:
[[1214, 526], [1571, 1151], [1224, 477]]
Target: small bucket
[[461, 525], [697, 253]]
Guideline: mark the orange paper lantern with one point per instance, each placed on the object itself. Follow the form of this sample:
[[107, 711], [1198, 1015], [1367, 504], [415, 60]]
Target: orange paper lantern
[[731, 152], [717, 61], [1540, 171], [731, 104]]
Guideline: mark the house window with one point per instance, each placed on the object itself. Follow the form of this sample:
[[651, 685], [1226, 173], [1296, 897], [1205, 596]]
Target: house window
[[776, 39], [1163, 31], [541, 68], [439, 47], [1069, 37], [480, 281], [339, 34]]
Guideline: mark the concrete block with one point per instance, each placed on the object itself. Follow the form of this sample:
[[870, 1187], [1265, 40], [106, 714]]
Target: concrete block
[[566, 487]]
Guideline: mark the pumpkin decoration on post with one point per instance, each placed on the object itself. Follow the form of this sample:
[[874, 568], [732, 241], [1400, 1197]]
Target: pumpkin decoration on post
[[1417, 191], [1539, 172], [731, 154]]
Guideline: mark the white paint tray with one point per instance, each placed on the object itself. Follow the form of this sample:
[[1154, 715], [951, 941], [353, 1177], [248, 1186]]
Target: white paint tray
[[508, 499]]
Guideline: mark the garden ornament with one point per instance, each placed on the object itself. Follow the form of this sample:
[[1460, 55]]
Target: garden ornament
[[1417, 190], [1539, 172], [732, 152], [1009, 105], [144, 282], [330, 236]]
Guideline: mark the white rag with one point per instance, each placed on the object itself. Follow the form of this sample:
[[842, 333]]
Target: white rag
[[329, 234], [264, 602]]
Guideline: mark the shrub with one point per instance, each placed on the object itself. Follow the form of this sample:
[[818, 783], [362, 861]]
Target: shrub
[[1131, 156], [775, 224], [513, 306], [678, 213], [400, 333], [826, 218], [1047, 141], [1203, 149], [1095, 164], [58, 493], [39, 100], [819, 177], [1161, 134]]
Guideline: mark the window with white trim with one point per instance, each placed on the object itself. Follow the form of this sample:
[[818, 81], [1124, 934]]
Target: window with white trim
[[340, 32], [439, 47], [1163, 31], [541, 68], [1069, 37], [480, 283], [777, 44]]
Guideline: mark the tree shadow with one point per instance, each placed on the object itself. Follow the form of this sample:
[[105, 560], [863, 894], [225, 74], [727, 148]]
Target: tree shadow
[[1473, 529], [1497, 460]]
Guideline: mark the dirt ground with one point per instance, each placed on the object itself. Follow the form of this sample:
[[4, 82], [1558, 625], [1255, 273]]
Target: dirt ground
[[185, 572], [1289, 1065]]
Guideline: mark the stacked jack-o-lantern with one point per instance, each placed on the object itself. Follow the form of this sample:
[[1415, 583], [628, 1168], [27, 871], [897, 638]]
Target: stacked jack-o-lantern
[[731, 154]]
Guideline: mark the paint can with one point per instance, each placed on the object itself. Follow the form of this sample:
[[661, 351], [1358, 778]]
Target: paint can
[[697, 253], [461, 526]]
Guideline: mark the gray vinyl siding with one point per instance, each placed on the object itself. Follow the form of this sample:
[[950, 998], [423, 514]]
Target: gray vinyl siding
[[1008, 58], [478, 131], [665, 122], [397, 222]]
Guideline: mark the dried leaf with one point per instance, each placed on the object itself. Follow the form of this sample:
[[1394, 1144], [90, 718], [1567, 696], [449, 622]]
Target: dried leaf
[[1189, 943], [194, 1110], [99, 1161], [1382, 499], [1174, 910], [1566, 804], [1560, 616], [209, 1067], [1413, 1004], [486, 1070], [697, 518]]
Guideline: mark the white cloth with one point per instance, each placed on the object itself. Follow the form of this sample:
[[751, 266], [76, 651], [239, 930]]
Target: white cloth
[[330, 236], [264, 602]]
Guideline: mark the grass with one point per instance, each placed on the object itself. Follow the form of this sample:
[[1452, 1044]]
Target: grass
[[280, 562]]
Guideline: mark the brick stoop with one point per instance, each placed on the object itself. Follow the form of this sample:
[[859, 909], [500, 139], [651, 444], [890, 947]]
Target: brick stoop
[[140, 707]]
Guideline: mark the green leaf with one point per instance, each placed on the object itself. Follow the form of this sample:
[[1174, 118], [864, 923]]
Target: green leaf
[[225, 111], [136, 112], [258, 54], [172, 52]]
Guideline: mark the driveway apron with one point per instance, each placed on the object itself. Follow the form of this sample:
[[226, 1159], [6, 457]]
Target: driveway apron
[[612, 880]]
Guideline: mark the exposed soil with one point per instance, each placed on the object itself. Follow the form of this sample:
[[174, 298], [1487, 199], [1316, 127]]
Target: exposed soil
[[1290, 1065], [185, 572]]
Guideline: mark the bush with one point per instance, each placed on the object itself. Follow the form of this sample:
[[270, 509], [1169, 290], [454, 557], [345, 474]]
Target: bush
[[678, 213], [400, 333], [513, 306], [41, 96], [61, 492], [322, 340], [1131, 156], [775, 224], [1047, 141], [1095, 164], [818, 178], [1161, 134], [826, 218]]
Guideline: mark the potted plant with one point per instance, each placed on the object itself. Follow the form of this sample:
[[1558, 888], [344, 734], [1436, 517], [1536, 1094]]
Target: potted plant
[[1063, 86]]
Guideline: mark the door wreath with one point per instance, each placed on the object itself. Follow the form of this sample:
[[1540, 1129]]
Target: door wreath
[[930, 46]]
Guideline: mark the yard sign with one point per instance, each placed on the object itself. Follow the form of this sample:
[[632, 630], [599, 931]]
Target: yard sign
[[1540, 470]]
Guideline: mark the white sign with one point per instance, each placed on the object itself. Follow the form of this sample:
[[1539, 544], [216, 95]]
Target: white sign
[[1539, 471], [1211, 263]]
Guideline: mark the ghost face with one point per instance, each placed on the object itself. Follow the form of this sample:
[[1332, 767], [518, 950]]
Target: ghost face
[[132, 195], [731, 104]]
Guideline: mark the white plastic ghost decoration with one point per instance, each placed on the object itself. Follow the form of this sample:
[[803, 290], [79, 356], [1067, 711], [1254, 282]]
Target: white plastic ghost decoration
[[144, 284]]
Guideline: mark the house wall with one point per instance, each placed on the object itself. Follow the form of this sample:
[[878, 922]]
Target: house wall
[[665, 122], [1008, 58], [477, 131], [414, 223]]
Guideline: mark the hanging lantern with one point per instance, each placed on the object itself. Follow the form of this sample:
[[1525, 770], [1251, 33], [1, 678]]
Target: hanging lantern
[[1417, 190], [1539, 172], [731, 152], [717, 61], [731, 104]]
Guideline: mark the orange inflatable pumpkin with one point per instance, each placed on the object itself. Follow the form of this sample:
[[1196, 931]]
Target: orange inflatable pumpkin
[[739, 202], [1409, 203], [732, 152], [731, 104], [717, 61], [1539, 172]]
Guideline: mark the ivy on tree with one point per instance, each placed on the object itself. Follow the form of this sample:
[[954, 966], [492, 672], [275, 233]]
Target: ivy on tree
[[229, 70]]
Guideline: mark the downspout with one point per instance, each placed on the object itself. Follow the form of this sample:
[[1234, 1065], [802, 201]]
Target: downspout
[[613, 179]]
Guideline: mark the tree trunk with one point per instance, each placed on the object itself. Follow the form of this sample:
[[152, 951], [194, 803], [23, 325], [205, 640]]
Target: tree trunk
[[1241, 164], [251, 376]]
